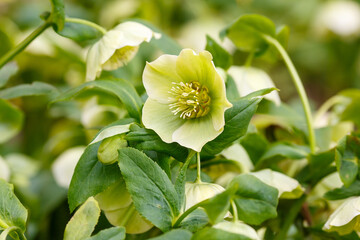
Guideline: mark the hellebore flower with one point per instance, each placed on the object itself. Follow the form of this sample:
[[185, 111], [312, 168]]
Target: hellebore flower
[[200, 191], [238, 227], [187, 99], [346, 217], [116, 48]]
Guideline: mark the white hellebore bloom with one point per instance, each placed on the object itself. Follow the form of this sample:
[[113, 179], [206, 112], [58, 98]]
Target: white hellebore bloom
[[250, 79], [288, 187], [4, 170], [346, 218], [64, 166], [238, 227], [200, 191], [116, 48]]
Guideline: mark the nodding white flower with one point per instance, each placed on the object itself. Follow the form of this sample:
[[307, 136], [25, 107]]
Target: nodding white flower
[[238, 227], [116, 48], [346, 217], [200, 191], [187, 99], [339, 17], [250, 79]]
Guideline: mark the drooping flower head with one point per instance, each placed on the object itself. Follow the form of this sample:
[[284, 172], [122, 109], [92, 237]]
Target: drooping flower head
[[187, 99], [116, 48]]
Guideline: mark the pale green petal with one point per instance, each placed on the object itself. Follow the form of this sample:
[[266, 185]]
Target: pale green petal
[[4, 170], [114, 197], [195, 133], [238, 228], [250, 79], [158, 77], [237, 153], [197, 192], [287, 186], [158, 117], [134, 33], [218, 117]]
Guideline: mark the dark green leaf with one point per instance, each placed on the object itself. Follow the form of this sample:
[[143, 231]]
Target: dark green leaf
[[121, 88], [34, 89], [237, 120], [58, 14], [90, 177], [80, 33], [247, 32], [175, 234], [146, 139], [346, 162], [6, 72], [12, 212], [255, 200], [195, 221], [216, 234], [83, 223], [221, 57], [153, 194], [344, 192], [255, 145], [11, 122], [232, 92], [114, 233]]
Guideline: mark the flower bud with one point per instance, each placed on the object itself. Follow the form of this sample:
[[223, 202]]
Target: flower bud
[[197, 192], [238, 228], [108, 150], [114, 197]]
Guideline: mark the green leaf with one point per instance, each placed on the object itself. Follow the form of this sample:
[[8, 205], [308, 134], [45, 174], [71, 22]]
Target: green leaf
[[255, 200], [175, 234], [121, 88], [195, 221], [282, 35], [344, 192], [346, 162], [11, 122], [146, 139], [221, 57], [255, 145], [83, 223], [90, 177], [247, 33], [34, 89], [166, 44], [237, 120], [6, 72], [12, 212], [153, 194], [114, 233], [216, 234], [217, 206], [280, 151], [58, 14], [80, 33]]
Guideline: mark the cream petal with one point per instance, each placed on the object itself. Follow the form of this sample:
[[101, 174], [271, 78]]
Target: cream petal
[[195, 133], [158, 117], [158, 77], [135, 33], [217, 114]]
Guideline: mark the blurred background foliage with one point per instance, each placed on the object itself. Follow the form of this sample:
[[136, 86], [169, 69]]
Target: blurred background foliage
[[328, 60]]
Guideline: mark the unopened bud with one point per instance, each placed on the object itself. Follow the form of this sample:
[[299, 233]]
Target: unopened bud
[[108, 150]]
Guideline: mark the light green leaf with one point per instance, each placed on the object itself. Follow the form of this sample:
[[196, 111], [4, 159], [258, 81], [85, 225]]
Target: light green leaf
[[114, 233], [221, 57], [58, 14], [12, 212], [175, 234], [346, 162], [80, 33], [153, 194], [6, 72], [216, 234], [121, 88], [255, 200], [90, 177], [82, 224], [237, 120], [11, 121], [247, 32], [34, 89], [110, 131]]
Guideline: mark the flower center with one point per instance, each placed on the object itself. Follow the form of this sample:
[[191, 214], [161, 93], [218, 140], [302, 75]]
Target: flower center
[[191, 100]]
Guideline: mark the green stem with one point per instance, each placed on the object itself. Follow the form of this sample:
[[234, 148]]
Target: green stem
[[198, 178], [87, 23], [290, 218], [186, 213], [13, 232], [299, 87], [21, 46], [235, 212]]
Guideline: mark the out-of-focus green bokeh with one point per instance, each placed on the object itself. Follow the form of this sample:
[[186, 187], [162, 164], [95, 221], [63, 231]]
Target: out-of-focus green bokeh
[[324, 47]]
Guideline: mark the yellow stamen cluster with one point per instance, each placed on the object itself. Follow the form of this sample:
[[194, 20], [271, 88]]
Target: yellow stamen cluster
[[191, 100]]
